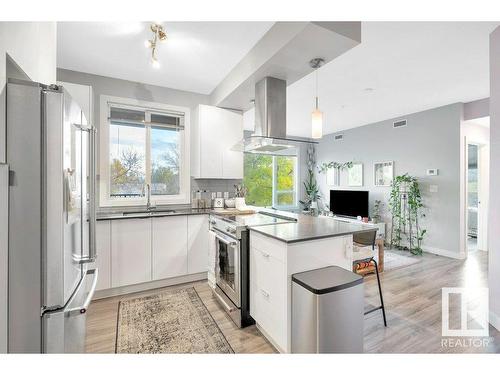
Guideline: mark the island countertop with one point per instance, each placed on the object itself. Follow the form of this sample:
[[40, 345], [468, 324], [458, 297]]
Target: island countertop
[[308, 228]]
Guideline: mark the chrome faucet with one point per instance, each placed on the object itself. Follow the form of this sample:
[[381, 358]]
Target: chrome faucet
[[148, 204]]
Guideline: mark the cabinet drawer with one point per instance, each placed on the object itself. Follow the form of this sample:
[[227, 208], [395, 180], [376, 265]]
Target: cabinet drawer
[[265, 270], [269, 310], [268, 246]]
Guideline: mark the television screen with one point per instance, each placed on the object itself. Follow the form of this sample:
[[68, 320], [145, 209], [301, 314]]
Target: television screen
[[351, 203]]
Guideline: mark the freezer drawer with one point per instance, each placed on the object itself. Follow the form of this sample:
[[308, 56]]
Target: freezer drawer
[[64, 330]]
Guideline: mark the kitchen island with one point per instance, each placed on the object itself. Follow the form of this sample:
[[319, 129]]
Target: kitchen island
[[279, 251]]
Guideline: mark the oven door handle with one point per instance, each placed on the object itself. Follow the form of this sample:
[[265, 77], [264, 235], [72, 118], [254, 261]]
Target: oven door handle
[[222, 239]]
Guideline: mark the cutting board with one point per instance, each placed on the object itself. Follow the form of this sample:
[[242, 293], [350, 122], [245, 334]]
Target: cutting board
[[232, 211]]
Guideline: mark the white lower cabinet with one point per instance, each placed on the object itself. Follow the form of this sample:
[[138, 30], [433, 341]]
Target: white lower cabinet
[[130, 251], [169, 246], [268, 294], [103, 249], [133, 251], [197, 238], [272, 264]]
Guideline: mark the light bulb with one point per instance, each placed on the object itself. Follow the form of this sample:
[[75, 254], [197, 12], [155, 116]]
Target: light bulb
[[147, 43], [317, 124], [155, 62]]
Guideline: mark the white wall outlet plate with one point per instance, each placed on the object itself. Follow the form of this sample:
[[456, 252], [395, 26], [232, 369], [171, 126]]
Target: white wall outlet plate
[[432, 172], [433, 188]]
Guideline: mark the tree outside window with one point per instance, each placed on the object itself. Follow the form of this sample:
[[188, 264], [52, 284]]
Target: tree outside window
[[270, 180], [144, 148]]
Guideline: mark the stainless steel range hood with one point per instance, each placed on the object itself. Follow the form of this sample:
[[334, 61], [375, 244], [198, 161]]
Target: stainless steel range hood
[[270, 122]]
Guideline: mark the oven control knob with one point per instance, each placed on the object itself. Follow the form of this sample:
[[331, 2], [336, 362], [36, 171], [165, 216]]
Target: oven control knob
[[212, 222], [231, 230]]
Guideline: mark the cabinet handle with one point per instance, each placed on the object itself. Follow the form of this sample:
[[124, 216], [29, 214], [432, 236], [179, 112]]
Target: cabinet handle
[[264, 293], [265, 255]]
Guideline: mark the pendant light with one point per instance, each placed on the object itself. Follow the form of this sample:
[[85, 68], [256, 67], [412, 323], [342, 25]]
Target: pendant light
[[317, 115], [159, 34]]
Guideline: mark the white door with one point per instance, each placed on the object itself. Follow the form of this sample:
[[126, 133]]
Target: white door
[[130, 251], [197, 243], [169, 247], [483, 196]]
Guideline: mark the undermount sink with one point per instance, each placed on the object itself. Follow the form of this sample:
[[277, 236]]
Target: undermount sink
[[150, 212]]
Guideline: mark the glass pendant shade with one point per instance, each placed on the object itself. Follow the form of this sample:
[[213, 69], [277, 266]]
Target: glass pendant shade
[[317, 124]]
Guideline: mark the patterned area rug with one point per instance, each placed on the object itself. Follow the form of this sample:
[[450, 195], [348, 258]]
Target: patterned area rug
[[173, 322]]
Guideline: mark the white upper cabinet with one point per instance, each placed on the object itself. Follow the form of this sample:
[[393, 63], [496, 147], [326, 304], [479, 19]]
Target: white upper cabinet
[[214, 132], [83, 95]]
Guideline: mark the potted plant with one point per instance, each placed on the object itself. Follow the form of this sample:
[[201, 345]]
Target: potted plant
[[240, 191], [312, 191], [406, 206]]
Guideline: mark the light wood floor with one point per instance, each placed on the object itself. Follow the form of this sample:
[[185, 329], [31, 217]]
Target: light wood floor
[[413, 304]]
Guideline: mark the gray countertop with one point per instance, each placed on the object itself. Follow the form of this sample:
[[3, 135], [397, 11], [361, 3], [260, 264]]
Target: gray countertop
[[157, 213], [309, 228]]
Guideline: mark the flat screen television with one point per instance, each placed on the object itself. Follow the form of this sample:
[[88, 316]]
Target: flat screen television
[[350, 203]]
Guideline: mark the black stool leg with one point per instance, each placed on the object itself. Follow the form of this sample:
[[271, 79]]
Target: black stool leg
[[380, 291]]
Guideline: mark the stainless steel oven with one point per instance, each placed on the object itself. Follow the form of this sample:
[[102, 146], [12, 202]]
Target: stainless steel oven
[[227, 266], [229, 261]]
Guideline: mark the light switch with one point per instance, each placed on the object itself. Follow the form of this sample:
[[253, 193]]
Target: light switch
[[432, 172], [433, 188]]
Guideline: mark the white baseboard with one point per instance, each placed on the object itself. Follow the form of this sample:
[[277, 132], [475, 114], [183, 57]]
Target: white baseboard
[[444, 253], [105, 293], [495, 320]]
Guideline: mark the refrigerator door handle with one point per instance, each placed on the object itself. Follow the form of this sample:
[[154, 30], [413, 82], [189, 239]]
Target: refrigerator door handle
[[92, 254], [85, 305]]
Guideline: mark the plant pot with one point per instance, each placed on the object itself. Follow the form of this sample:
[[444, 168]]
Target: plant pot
[[239, 203]]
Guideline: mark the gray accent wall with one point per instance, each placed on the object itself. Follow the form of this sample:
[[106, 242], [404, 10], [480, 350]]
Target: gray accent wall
[[431, 139]]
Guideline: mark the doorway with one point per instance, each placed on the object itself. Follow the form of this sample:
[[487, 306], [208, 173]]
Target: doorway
[[477, 196], [472, 197]]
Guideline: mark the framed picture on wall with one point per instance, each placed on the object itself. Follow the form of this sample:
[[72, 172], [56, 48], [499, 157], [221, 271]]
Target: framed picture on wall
[[333, 177], [383, 173], [355, 175]]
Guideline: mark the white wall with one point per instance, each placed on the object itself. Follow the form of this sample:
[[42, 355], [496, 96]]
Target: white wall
[[32, 46], [494, 206]]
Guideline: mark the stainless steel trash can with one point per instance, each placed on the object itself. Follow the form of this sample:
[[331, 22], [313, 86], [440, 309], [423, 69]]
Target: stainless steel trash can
[[327, 311]]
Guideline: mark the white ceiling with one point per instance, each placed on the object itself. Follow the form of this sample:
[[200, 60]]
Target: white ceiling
[[407, 67], [399, 67], [196, 56]]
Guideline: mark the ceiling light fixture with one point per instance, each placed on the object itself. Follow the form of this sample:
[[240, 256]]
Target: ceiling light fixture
[[159, 34], [317, 115]]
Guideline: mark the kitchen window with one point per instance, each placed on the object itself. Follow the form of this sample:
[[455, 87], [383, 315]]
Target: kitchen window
[[143, 143], [271, 180]]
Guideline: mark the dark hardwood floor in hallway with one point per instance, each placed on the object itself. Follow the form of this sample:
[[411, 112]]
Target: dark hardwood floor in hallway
[[413, 304]]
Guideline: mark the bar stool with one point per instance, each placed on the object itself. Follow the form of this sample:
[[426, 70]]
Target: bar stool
[[363, 252]]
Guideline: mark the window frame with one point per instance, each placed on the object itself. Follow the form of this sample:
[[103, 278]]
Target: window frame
[[183, 197], [295, 187]]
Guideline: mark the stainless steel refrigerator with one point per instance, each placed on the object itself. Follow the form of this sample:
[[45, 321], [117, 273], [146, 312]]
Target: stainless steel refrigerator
[[51, 220]]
